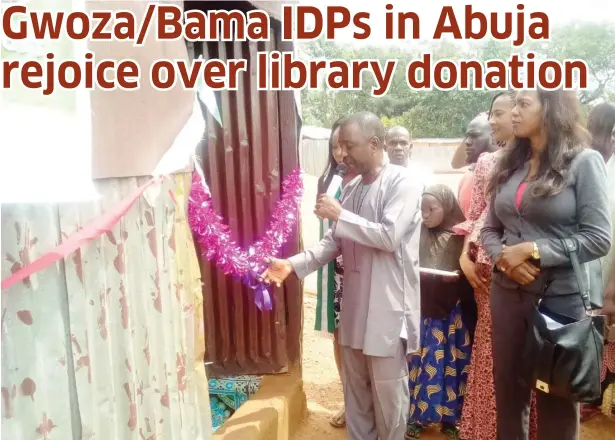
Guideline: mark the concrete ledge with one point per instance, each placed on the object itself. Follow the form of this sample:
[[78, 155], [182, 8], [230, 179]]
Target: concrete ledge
[[273, 413]]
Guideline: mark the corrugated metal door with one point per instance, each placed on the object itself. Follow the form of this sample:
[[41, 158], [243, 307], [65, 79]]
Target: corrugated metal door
[[245, 161]]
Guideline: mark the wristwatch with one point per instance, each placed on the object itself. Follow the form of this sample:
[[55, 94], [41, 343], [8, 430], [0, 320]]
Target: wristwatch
[[535, 252]]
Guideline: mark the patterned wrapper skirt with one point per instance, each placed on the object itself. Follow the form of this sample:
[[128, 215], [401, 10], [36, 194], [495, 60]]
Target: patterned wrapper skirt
[[439, 371], [227, 394]]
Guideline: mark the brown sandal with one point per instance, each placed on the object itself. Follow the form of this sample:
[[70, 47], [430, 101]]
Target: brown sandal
[[339, 419]]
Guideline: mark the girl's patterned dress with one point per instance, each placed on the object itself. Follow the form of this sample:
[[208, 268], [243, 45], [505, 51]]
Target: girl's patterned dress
[[438, 374], [478, 421]]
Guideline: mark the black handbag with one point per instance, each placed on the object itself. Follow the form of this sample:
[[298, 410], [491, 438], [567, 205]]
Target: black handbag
[[565, 353], [595, 285]]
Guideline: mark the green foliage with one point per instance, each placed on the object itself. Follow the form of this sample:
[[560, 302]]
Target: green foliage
[[596, 46], [439, 113]]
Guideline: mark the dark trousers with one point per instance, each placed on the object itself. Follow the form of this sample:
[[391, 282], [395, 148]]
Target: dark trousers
[[558, 419]]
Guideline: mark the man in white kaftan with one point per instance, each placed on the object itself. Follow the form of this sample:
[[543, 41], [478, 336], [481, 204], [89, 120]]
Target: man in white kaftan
[[398, 143], [376, 231]]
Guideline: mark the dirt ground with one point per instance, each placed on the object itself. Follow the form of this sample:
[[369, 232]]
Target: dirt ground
[[324, 392]]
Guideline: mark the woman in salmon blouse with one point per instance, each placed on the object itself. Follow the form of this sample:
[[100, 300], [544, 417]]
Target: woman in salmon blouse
[[479, 421]]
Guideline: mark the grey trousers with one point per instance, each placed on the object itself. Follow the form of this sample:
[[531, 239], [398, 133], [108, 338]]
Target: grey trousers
[[558, 419], [376, 394]]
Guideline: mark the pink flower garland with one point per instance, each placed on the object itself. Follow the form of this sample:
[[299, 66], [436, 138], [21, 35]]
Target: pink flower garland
[[216, 243]]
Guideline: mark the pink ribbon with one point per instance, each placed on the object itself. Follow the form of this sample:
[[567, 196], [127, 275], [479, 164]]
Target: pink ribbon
[[94, 229]]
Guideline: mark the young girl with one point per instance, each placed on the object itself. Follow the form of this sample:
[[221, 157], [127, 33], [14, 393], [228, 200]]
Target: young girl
[[438, 372]]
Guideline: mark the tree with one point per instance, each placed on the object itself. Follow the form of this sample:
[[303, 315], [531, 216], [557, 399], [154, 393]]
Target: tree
[[593, 43], [439, 113]]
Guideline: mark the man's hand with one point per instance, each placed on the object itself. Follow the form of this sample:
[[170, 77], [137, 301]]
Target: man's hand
[[328, 207], [277, 271], [513, 256], [478, 283], [524, 274]]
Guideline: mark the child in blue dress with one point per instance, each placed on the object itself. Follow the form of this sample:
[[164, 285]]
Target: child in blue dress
[[439, 370]]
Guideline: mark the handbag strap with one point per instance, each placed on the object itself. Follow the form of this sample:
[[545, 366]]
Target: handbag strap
[[571, 247]]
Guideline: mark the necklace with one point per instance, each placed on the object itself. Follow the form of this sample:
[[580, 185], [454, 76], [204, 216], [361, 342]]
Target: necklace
[[356, 208]]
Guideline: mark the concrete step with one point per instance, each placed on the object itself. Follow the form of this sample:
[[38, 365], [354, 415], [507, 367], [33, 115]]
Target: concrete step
[[274, 412]]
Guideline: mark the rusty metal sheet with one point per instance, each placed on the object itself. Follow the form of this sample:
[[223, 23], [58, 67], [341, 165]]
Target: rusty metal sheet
[[245, 161], [107, 343], [273, 7]]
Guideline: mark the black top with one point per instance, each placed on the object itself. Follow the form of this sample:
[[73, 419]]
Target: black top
[[441, 250]]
